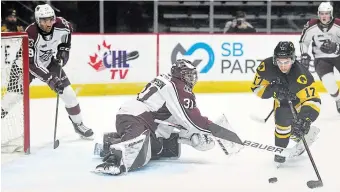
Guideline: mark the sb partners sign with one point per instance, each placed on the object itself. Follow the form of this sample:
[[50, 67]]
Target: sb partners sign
[[219, 57]]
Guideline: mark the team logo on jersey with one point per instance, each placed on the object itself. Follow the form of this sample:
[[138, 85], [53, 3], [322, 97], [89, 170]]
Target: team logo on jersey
[[261, 67], [114, 59], [200, 45], [45, 55], [302, 79]]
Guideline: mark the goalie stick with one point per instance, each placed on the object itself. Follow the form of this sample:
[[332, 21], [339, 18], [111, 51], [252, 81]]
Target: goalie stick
[[248, 143], [311, 184]]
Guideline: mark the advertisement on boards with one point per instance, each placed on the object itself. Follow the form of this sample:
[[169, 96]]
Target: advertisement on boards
[[111, 59], [222, 57]]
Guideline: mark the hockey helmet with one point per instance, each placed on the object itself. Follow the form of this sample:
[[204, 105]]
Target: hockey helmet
[[184, 69], [43, 11], [284, 49], [325, 7]]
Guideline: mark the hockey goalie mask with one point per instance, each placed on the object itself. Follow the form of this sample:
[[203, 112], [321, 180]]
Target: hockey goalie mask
[[44, 17], [284, 56], [184, 70], [325, 12]]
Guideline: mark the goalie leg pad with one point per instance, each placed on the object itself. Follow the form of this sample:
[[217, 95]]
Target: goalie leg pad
[[310, 138], [108, 140], [171, 147], [127, 155]]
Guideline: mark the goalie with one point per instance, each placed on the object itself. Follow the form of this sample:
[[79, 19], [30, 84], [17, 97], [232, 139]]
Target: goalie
[[139, 138], [282, 77]]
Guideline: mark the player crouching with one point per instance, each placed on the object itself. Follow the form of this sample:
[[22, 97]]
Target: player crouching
[[140, 139], [281, 77]]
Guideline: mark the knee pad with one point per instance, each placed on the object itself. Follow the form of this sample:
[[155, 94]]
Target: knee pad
[[171, 147]]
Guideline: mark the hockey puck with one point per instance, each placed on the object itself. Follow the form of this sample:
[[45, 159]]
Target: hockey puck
[[272, 180]]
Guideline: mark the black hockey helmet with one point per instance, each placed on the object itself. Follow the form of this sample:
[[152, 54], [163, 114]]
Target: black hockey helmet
[[184, 69], [284, 49]]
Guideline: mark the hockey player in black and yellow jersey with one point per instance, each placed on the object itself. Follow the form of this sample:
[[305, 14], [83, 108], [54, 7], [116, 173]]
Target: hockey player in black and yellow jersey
[[281, 77]]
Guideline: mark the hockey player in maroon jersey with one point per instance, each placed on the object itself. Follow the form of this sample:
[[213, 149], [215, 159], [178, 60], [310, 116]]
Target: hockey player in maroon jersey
[[49, 48], [323, 33], [140, 138]]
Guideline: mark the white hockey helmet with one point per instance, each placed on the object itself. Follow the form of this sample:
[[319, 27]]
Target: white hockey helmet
[[325, 7], [43, 11]]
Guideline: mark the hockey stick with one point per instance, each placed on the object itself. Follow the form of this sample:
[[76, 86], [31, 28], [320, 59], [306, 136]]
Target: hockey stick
[[255, 118], [55, 140], [311, 184], [269, 148]]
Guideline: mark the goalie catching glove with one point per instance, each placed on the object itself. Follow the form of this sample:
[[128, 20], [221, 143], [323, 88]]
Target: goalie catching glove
[[201, 142]]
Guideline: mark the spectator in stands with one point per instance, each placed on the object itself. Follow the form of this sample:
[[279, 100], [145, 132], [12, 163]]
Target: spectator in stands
[[10, 23], [239, 24]]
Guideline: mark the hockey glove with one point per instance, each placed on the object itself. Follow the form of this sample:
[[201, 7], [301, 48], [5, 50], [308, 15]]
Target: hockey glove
[[330, 47], [55, 84], [300, 126], [63, 53], [305, 60], [201, 142], [281, 93]]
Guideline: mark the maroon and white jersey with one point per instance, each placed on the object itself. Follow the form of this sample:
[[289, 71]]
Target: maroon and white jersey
[[43, 46], [166, 97], [315, 33]]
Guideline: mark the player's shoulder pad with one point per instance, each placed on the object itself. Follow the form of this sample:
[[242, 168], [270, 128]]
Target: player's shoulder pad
[[32, 31], [337, 21], [304, 77], [265, 66], [311, 23], [161, 81], [62, 23]]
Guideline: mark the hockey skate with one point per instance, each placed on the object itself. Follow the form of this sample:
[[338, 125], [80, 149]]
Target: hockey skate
[[82, 130], [113, 163]]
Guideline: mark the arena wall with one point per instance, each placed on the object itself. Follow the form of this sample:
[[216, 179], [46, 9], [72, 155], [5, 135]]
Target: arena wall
[[227, 63]]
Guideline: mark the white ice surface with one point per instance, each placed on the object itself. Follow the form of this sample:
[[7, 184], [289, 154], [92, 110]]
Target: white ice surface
[[67, 168]]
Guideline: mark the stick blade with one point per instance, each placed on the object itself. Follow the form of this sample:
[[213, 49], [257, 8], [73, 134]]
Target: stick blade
[[314, 184], [56, 144], [258, 119]]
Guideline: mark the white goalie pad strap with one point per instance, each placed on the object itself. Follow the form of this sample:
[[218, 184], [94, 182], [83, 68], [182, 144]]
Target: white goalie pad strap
[[310, 138], [231, 147], [201, 142], [136, 152]]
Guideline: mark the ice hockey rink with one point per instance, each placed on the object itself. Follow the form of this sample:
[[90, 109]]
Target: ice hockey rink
[[68, 168]]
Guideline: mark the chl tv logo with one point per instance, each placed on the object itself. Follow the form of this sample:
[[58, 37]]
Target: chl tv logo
[[200, 45]]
